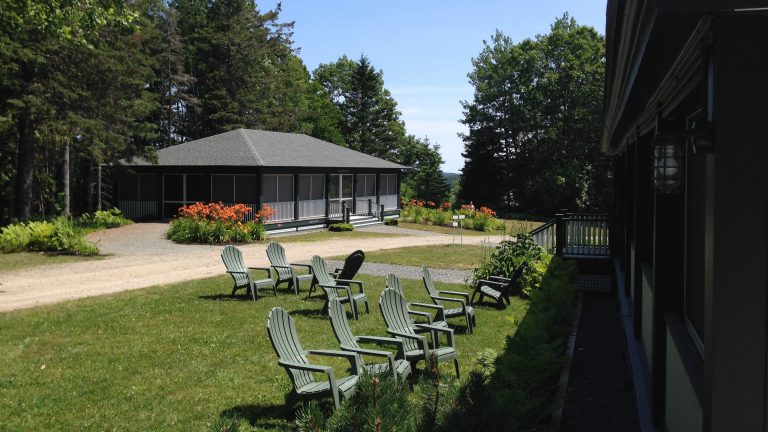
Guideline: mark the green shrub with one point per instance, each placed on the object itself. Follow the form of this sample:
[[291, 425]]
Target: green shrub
[[391, 222], [111, 218], [518, 393], [339, 227], [58, 235], [188, 230], [475, 220], [509, 255]]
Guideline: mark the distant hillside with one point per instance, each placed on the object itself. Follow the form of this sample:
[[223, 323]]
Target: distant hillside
[[451, 177]]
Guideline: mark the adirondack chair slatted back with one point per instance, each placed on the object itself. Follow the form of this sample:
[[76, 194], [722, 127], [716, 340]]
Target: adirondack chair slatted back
[[352, 265], [427, 278], [393, 282], [320, 270], [233, 261], [515, 279], [276, 255], [282, 333], [341, 325], [395, 312]]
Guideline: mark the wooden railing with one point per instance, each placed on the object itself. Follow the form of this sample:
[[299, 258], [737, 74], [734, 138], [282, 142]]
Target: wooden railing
[[365, 205], [545, 237], [576, 234]]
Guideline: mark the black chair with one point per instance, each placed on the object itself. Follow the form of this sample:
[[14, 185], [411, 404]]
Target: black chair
[[499, 288], [351, 266]]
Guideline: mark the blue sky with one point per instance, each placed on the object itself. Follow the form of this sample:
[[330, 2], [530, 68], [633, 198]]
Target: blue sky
[[424, 48]]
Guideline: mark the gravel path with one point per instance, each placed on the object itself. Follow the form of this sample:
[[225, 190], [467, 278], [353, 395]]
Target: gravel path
[[141, 257], [409, 272]]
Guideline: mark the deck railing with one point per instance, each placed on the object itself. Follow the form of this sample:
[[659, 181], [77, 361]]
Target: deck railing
[[389, 201], [312, 208], [576, 234], [365, 205], [283, 211], [139, 209]]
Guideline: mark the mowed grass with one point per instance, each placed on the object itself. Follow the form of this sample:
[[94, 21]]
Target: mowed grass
[[21, 260], [329, 235], [176, 357], [464, 257]]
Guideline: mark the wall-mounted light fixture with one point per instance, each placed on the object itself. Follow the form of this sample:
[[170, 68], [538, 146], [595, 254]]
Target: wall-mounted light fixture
[[667, 163]]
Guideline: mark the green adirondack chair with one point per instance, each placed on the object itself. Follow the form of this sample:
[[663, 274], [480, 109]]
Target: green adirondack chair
[[233, 262], [396, 364], [290, 355], [332, 286], [499, 288], [439, 297], [393, 282], [286, 272], [400, 324]]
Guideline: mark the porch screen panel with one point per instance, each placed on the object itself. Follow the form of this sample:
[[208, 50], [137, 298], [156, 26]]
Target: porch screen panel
[[388, 191], [173, 187], [129, 187], [270, 188], [246, 189], [149, 187], [198, 188], [278, 194], [223, 188], [311, 195]]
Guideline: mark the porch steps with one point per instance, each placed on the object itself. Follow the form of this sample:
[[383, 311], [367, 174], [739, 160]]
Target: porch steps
[[361, 221]]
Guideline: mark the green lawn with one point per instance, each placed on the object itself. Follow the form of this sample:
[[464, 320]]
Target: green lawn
[[20, 260], [465, 257], [513, 226], [176, 357], [329, 235]]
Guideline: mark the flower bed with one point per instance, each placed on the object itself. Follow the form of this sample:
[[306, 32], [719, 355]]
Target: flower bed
[[429, 213], [215, 223]]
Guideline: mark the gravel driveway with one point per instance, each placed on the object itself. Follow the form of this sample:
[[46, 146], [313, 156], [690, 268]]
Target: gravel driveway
[[140, 257]]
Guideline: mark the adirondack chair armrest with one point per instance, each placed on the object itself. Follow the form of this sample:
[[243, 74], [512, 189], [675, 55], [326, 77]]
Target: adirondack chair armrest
[[448, 332], [352, 357], [237, 272], [353, 282], [451, 299], [490, 282], [304, 366], [339, 287], [440, 311], [370, 352], [384, 341], [500, 278], [266, 269], [456, 293], [282, 267], [418, 338], [307, 266], [426, 315]]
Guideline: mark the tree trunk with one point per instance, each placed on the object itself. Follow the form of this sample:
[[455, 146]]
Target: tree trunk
[[24, 168], [66, 210]]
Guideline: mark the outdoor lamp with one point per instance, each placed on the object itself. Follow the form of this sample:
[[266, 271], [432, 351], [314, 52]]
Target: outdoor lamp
[[667, 163]]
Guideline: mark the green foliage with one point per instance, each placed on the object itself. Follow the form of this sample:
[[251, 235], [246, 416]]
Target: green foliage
[[509, 255], [111, 218], [189, 230], [58, 235], [476, 221], [534, 122], [517, 394], [425, 181], [340, 227], [391, 222], [225, 423]]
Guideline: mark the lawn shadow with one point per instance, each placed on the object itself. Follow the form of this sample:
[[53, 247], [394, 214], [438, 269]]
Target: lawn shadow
[[262, 416], [226, 297], [315, 313]]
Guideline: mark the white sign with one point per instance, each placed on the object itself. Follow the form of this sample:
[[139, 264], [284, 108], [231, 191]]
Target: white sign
[[462, 216], [455, 224], [455, 217]]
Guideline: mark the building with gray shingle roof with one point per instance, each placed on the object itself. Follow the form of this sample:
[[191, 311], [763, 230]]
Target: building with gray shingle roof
[[308, 181]]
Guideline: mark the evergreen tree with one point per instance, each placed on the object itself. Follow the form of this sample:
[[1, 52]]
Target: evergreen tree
[[425, 178]]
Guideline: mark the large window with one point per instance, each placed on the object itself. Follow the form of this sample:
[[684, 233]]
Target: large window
[[223, 189], [366, 185], [173, 187], [311, 187], [198, 188], [149, 187], [238, 188], [129, 187], [278, 188], [388, 184]]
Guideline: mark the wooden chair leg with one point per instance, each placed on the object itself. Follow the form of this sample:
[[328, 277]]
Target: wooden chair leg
[[456, 363]]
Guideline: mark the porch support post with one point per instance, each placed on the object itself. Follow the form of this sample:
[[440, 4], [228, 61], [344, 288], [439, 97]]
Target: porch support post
[[296, 197], [327, 195], [378, 189], [354, 193]]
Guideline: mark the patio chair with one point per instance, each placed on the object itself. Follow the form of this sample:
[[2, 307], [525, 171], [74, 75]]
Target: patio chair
[[351, 266], [400, 324], [332, 286], [393, 282], [233, 262], [286, 272], [396, 364], [439, 297], [290, 355], [499, 288]]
